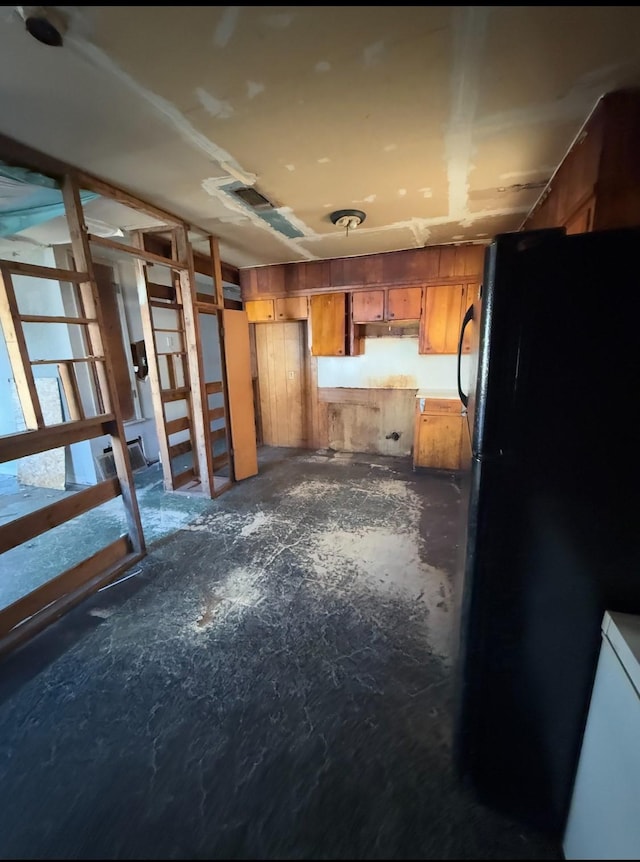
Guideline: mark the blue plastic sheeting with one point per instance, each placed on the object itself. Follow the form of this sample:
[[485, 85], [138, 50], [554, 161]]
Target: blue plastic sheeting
[[28, 198]]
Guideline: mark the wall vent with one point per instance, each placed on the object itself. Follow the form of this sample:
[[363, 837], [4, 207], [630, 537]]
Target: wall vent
[[106, 462]]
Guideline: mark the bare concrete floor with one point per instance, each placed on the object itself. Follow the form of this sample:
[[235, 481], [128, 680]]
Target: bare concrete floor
[[275, 682]]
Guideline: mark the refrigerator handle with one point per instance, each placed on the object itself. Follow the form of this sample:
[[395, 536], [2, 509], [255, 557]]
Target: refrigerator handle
[[467, 319]]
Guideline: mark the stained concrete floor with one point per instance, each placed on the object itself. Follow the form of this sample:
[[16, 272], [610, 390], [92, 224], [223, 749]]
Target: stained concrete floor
[[274, 683]]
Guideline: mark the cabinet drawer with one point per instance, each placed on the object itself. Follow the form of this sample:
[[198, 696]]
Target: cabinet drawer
[[437, 406]]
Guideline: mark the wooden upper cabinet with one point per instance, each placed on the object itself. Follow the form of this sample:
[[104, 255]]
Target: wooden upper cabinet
[[403, 303], [441, 318], [291, 308], [259, 310], [328, 324], [597, 184], [367, 306]]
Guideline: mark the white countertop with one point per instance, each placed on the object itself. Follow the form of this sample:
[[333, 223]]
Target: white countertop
[[438, 393]]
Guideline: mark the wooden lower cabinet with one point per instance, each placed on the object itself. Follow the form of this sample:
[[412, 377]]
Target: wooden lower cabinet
[[438, 434]]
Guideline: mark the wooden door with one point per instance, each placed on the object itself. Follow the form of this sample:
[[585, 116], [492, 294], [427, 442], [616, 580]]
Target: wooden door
[[281, 357], [237, 353]]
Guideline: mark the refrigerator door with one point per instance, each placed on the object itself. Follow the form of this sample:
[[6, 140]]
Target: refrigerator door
[[552, 515], [502, 326]]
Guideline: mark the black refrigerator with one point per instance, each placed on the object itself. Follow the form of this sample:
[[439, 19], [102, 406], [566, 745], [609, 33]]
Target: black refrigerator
[[551, 532]]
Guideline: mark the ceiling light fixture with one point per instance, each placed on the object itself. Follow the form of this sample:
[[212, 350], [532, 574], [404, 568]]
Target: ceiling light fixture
[[348, 219]]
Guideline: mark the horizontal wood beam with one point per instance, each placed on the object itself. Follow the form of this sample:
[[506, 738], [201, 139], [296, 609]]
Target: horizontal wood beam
[[180, 449], [18, 268], [171, 306], [216, 413], [103, 242], [180, 394], [25, 443], [220, 461], [176, 425], [41, 618], [101, 187], [63, 584], [76, 361], [230, 274], [41, 318], [161, 291], [213, 387], [218, 434], [182, 478], [29, 526], [206, 299]]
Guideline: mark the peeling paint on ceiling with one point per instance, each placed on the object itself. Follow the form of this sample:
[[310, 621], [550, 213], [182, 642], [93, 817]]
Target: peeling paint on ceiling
[[443, 123]]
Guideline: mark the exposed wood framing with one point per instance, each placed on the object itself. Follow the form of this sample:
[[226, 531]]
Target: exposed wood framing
[[193, 347], [35, 610], [91, 305], [23, 443], [17, 268], [216, 266], [149, 256], [35, 523], [91, 567], [18, 354], [31, 620], [154, 370], [67, 374], [157, 296]]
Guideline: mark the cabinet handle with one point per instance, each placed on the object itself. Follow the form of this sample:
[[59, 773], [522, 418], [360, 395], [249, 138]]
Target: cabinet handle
[[467, 319]]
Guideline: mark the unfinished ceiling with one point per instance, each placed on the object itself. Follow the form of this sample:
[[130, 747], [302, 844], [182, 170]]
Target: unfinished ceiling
[[441, 123]]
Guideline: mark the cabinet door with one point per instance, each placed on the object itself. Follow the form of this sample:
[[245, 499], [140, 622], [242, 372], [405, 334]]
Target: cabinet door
[[259, 310], [438, 441], [403, 303], [328, 324], [441, 318], [291, 308], [367, 306]]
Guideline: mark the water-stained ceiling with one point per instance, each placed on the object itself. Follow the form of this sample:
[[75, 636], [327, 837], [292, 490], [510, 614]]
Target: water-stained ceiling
[[441, 123]]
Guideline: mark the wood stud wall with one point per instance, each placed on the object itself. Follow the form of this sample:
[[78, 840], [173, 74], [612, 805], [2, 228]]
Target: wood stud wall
[[32, 612]]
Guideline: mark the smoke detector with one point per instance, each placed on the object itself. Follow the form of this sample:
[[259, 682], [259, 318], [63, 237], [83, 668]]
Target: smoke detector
[[44, 23]]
